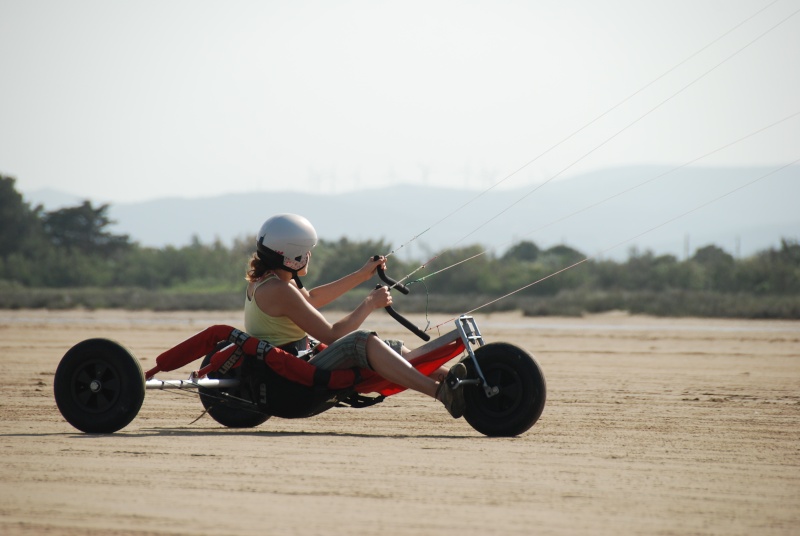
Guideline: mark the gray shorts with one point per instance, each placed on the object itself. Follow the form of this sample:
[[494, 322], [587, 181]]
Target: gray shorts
[[350, 351]]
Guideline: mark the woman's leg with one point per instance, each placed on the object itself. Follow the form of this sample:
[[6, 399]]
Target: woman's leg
[[364, 349], [437, 375], [393, 367]]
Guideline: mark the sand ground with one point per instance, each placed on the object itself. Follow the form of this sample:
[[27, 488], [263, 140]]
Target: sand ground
[[652, 426]]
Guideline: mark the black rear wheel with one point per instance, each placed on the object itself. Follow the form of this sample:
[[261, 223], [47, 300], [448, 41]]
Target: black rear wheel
[[234, 407], [521, 399], [99, 386]]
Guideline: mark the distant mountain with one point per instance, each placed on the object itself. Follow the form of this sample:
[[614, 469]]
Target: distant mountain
[[52, 199], [602, 213]]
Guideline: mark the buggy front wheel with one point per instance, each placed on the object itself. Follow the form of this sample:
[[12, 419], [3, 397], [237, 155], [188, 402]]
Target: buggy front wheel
[[522, 391]]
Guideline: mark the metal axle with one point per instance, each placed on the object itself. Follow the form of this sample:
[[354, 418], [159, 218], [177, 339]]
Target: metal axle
[[191, 384]]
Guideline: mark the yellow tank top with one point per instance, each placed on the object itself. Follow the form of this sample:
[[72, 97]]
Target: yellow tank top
[[277, 330]]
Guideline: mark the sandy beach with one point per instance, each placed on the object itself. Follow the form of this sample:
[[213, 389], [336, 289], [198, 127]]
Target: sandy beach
[[652, 426]]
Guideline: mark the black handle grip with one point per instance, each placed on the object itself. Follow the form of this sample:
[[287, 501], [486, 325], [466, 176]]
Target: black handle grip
[[388, 280], [406, 322]]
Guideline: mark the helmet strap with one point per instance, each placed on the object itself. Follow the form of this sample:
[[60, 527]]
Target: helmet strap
[[295, 277], [271, 258]]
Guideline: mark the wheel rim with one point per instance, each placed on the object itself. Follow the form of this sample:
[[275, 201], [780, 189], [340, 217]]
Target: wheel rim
[[96, 386], [509, 398]]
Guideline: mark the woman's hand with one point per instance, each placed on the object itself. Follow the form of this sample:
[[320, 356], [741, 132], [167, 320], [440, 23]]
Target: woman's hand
[[379, 298], [369, 269]]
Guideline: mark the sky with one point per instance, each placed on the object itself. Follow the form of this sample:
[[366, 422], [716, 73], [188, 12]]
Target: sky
[[130, 101]]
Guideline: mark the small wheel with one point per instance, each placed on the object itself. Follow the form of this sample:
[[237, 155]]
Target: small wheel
[[230, 412], [521, 399], [99, 386]]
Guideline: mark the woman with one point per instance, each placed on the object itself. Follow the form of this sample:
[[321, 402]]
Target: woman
[[279, 310]]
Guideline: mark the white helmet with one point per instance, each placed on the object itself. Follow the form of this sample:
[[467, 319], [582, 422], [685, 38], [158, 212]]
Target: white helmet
[[290, 236]]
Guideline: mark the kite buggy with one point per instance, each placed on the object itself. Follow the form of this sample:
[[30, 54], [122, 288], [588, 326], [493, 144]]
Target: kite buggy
[[99, 385]]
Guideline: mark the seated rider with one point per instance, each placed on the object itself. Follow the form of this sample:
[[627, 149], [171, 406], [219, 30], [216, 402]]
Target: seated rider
[[279, 310]]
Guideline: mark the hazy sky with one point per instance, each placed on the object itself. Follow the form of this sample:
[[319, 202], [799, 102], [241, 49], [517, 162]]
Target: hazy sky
[[126, 101]]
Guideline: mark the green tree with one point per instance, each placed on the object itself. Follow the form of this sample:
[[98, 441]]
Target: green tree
[[83, 228], [476, 275], [561, 256], [524, 251], [642, 271], [20, 227], [771, 271], [717, 268]]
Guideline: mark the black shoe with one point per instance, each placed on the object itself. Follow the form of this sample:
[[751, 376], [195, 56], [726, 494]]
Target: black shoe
[[450, 392]]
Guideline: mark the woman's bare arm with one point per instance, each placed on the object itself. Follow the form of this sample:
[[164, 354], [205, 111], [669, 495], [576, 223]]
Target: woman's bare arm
[[279, 298], [325, 294]]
